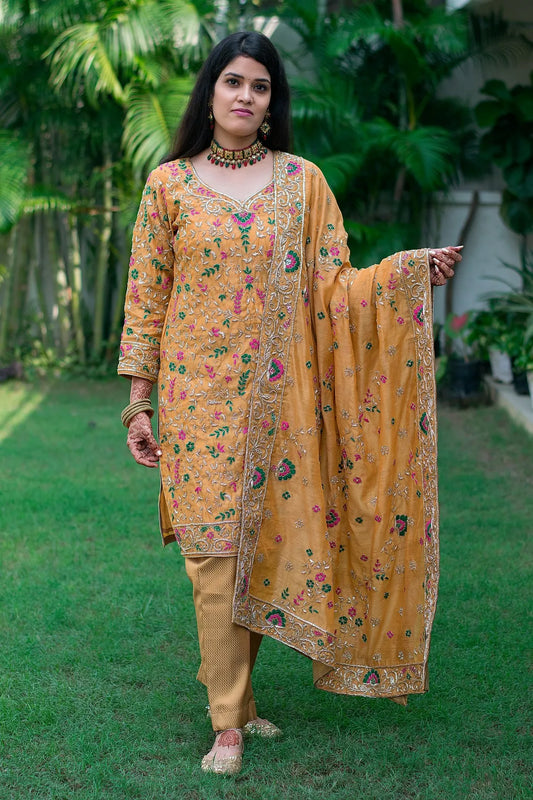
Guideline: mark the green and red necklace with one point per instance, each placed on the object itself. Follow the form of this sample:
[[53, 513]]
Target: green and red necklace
[[237, 158]]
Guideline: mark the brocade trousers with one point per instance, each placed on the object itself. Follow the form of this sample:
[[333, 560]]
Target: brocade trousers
[[228, 651]]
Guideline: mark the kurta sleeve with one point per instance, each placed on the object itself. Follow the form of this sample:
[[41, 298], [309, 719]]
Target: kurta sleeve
[[151, 275]]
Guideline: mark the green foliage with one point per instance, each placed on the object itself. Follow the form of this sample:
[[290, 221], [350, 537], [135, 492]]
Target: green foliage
[[506, 324], [14, 167], [494, 329], [516, 306], [509, 144], [100, 56], [151, 119], [370, 115], [89, 93]]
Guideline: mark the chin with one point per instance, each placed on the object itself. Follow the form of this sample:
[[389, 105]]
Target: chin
[[240, 131]]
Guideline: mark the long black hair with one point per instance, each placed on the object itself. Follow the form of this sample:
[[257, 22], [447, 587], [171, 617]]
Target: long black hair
[[194, 133]]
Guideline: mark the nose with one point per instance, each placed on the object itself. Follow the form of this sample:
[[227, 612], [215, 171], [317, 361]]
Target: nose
[[246, 93]]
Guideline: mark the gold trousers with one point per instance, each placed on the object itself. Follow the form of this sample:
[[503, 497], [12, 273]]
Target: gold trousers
[[228, 651]]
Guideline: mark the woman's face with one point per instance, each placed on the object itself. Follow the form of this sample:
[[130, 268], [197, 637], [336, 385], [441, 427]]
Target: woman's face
[[241, 97]]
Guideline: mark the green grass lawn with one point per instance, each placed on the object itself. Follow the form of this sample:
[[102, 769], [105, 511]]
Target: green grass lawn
[[98, 656]]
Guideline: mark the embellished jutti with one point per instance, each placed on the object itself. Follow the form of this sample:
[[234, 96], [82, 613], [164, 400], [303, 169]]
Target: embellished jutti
[[296, 417]]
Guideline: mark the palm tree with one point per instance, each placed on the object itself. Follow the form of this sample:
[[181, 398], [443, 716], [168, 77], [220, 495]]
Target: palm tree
[[78, 135], [368, 115]]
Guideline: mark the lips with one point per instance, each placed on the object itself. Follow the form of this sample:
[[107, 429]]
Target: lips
[[242, 112]]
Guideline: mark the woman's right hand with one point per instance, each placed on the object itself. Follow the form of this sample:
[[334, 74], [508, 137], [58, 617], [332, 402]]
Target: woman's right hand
[[141, 441]]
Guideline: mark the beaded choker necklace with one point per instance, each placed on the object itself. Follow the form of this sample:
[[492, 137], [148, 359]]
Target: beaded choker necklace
[[237, 158]]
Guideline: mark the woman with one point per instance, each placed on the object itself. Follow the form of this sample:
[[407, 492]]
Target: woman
[[296, 405]]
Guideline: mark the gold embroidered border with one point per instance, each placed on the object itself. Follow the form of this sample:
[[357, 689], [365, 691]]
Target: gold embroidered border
[[418, 285], [216, 544], [396, 680], [272, 365], [368, 680]]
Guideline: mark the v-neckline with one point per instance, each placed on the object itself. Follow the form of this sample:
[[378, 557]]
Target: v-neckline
[[241, 203]]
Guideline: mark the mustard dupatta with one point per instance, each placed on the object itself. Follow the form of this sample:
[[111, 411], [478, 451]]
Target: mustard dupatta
[[339, 540]]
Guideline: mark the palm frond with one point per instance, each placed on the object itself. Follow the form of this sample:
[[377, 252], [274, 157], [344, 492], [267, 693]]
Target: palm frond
[[425, 152], [363, 24], [326, 113], [303, 17], [151, 120], [14, 167], [444, 32], [340, 169], [79, 58], [101, 56], [42, 198]]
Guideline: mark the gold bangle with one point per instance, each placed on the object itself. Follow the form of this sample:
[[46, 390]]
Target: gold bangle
[[132, 409]]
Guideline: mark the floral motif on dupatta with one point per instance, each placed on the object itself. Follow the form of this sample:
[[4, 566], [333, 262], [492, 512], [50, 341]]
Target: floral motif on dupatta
[[338, 555]]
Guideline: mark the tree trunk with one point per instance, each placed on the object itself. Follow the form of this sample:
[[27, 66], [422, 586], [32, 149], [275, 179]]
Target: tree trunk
[[62, 302], [41, 268], [397, 13], [398, 20], [22, 254], [102, 261], [70, 246], [7, 295], [118, 310]]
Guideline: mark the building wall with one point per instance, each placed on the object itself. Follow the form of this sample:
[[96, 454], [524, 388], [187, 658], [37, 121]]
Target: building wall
[[489, 245]]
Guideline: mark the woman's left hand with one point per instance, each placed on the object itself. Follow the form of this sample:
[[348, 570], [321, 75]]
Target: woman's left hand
[[442, 262]]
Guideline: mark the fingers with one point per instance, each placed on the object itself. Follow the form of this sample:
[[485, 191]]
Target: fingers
[[442, 262], [141, 442], [436, 276]]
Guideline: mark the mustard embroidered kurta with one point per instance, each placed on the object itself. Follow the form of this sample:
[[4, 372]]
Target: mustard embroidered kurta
[[296, 417]]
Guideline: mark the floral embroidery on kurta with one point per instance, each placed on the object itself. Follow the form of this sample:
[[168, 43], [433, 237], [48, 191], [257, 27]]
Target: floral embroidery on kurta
[[324, 398], [209, 256]]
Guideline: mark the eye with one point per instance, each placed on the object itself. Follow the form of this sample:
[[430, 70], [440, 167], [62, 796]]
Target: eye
[[261, 87], [232, 81]]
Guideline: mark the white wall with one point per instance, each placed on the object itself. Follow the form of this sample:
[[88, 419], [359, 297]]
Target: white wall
[[488, 245]]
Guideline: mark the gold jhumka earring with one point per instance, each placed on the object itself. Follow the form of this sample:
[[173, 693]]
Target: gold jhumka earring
[[264, 128]]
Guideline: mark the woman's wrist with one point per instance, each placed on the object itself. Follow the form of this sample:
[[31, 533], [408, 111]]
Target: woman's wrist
[[132, 409], [141, 389]]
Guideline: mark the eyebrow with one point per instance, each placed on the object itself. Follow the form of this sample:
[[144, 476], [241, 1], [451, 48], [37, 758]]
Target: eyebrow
[[236, 75]]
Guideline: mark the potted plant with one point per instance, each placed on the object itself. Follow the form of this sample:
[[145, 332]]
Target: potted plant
[[524, 363], [489, 330], [517, 305], [464, 368]]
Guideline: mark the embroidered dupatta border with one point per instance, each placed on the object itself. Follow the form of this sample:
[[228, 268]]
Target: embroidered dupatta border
[[400, 680], [270, 378], [282, 294]]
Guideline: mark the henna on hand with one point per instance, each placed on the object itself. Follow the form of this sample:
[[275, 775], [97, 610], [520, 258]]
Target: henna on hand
[[141, 441], [442, 262]]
